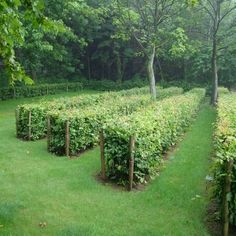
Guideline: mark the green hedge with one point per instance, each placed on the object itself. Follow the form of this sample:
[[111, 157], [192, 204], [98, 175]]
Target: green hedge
[[38, 90], [86, 123], [155, 128], [31, 118], [225, 145], [35, 128]]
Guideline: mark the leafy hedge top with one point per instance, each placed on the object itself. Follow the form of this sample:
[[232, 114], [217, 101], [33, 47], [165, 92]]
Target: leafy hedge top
[[144, 118]]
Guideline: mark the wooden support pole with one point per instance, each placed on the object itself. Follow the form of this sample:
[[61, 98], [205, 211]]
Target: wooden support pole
[[131, 162], [29, 126], [14, 92], [17, 122], [47, 89], [227, 190], [103, 164], [48, 132], [67, 139]]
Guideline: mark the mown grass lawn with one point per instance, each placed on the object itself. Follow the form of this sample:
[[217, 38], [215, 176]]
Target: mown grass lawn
[[36, 186]]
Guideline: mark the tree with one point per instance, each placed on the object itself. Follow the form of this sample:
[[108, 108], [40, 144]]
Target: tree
[[144, 20], [219, 12], [17, 19]]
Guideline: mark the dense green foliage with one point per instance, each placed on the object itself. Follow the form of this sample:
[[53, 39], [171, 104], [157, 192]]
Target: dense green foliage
[[66, 40], [85, 124], [225, 144], [155, 128], [38, 90], [31, 118]]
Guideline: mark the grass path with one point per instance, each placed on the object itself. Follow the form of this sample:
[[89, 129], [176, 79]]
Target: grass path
[[36, 186]]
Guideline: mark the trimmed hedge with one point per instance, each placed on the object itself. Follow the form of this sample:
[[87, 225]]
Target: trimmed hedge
[[223, 90], [85, 124], [31, 118], [225, 145], [155, 129], [38, 90]]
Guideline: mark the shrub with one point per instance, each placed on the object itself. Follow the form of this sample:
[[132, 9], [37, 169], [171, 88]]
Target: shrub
[[38, 90], [222, 90], [86, 123], [155, 128], [31, 118], [225, 145]]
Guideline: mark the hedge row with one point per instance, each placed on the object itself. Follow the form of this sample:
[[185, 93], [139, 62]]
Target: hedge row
[[38, 90], [84, 125], [31, 118], [224, 165], [155, 129]]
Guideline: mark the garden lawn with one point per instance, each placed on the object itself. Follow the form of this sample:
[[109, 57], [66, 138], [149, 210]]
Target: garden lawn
[[37, 187]]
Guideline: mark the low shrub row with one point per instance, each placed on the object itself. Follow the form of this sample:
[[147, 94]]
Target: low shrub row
[[38, 90], [223, 90], [154, 129], [84, 124], [31, 118], [224, 162]]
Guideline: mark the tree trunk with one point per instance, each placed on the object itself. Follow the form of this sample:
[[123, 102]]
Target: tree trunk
[[118, 68], [89, 66], [151, 75], [160, 69], [214, 95], [34, 75]]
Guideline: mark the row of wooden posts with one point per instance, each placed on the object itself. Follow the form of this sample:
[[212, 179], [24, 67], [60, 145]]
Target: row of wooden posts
[[102, 153], [229, 164]]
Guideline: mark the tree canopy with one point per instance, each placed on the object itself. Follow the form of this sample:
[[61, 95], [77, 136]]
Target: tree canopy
[[157, 40]]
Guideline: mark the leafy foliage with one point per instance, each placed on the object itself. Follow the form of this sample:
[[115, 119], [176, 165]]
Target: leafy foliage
[[155, 128], [225, 145], [85, 124], [38, 90]]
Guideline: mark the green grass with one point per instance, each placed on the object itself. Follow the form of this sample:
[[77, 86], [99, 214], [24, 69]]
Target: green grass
[[39, 187]]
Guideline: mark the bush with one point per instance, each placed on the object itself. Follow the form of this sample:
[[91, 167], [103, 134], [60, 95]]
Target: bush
[[86, 123], [31, 118], [155, 128], [38, 90], [225, 145], [222, 91]]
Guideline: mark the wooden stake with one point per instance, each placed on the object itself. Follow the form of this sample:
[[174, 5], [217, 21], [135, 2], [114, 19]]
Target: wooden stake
[[67, 146], [227, 190], [14, 92], [131, 161], [103, 164], [29, 125], [17, 122], [48, 132]]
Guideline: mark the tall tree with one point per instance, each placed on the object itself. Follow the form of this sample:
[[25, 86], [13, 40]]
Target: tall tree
[[144, 21], [219, 12]]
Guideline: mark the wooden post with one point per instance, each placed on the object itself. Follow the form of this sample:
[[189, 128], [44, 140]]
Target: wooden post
[[48, 132], [67, 88], [103, 164], [227, 189], [14, 92], [17, 122], [131, 161], [47, 89], [29, 125], [67, 146]]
